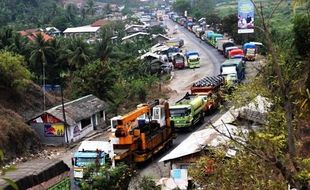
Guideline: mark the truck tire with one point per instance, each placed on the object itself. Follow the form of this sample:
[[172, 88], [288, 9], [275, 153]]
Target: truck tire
[[202, 118]]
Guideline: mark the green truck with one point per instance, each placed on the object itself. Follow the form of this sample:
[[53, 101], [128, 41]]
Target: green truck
[[187, 112], [213, 38], [233, 71]]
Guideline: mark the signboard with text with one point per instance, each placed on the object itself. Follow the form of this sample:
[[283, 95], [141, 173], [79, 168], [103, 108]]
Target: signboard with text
[[245, 16]]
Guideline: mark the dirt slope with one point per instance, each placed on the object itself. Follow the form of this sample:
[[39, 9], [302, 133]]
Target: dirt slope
[[16, 137]]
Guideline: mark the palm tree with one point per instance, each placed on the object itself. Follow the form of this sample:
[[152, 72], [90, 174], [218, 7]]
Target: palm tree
[[104, 46], [40, 52], [78, 53], [90, 7]]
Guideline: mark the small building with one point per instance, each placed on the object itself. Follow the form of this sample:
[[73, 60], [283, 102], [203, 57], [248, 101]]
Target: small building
[[131, 29], [53, 31], [87, 31], [159, 38], [134, 36], [31, 34], [82, 116]]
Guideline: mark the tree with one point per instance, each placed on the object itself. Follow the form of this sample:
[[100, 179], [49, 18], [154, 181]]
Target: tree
[[107, 178], [90, 7], [13, 72], [78, 53], [40, 52], [180, 6]]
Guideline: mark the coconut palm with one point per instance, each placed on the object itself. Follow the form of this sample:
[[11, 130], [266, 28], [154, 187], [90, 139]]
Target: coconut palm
[[78, 53], [41, 51]]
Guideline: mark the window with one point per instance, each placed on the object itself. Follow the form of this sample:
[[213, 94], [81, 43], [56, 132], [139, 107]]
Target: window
[[85, 122], [101, 114]]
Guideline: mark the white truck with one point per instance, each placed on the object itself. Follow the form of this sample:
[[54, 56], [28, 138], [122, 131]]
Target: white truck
[[88, 153]]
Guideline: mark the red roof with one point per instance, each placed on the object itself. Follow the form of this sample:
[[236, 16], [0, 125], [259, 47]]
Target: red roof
[[100, 23], [32, 35]]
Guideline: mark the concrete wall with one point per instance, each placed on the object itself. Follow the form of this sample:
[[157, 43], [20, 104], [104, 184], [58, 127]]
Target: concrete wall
[[39, 128]]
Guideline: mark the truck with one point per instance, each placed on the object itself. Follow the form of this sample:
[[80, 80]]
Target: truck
[[210, 88], [187, 112], [178, 61], [141, 133], [206, 35], [88, 153], [219, 44], [249, 51], [193, 59], [236, 54], [212, 38], [233, 71]]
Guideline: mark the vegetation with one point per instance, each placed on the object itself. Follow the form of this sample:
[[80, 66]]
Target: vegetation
[[274, 156], [107, 178]]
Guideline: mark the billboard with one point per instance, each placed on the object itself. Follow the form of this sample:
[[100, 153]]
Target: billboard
[[245, 16], [54, 130]]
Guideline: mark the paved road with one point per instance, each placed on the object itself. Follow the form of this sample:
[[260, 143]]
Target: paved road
[[183, 79]]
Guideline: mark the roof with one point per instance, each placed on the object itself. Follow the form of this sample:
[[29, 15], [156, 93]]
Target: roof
[[135, 25], [99, 23], [134, 35], [150, 54], [78, 109], [32, 35], [93, 146], [34, 172], [82, 29], [199, 140], [160, 35]]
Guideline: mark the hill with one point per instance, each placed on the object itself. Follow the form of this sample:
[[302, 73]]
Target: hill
[[16, 137]]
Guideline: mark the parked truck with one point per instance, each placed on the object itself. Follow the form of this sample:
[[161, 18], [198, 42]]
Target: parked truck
[[187, 112], [212, 39], [193, 59], [210, 88], [249, 51], [233, 70], [88, 153], [141, 133], [179, 61]]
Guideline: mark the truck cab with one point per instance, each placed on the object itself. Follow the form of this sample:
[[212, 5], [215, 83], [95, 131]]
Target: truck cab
[[249, 51], [187, 112], [88, 153], [178, 61], [193, 59], [233, 71]]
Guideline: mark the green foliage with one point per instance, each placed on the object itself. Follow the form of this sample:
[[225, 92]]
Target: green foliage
[[180, 6], [107, 178], [302, 34], [148, 183], [13, 73], [245, 171], [3, 170]]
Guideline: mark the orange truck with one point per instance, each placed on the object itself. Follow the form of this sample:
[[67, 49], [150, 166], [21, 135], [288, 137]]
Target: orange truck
[[141, 133], [211, 89]]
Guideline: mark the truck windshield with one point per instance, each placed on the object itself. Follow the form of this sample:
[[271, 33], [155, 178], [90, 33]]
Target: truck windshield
[[80, 162], [179, 112], [179, 60]]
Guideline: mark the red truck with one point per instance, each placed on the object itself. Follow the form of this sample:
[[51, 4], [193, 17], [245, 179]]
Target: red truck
[[211, 89]]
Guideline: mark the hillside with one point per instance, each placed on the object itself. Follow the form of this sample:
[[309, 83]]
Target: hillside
[[17, 138]]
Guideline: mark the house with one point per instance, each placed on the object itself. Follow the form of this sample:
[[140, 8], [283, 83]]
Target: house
[[52, 31], [131, 29], [134, 36], [31, 34], [159, 38], [82, 116], [100, 23], [87, 31]]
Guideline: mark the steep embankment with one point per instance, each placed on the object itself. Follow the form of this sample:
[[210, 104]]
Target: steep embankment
[[16, 137]]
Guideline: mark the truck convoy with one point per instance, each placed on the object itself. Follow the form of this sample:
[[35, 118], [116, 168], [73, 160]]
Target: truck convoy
[[193, 59], [187, 112], [210, 88], [142, 132]]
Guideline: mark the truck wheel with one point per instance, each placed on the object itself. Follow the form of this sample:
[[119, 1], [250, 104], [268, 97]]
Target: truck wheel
[[202, 118]]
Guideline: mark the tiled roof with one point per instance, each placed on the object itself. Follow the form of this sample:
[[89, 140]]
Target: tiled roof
[[100, 23]]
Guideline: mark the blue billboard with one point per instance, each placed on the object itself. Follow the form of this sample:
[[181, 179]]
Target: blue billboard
[[245, 16]]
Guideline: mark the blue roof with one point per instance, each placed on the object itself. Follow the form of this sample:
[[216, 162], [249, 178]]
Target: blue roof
[[88, 154], [249, 45], [191, 52]]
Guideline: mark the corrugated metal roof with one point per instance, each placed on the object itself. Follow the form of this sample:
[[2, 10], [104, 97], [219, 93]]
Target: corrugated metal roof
[[78, 109], [200, 139], [135, 34], [82, 29]]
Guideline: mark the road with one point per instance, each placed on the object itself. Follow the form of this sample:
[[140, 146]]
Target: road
[[180, 84]]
